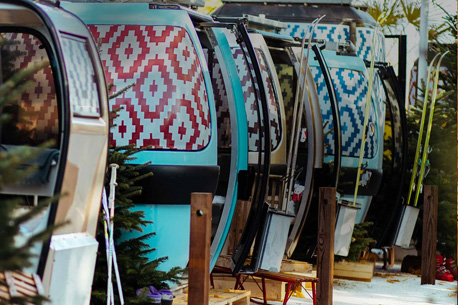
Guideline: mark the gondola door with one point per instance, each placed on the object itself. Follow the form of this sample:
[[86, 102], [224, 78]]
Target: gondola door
[[65, 109], [231, 124]]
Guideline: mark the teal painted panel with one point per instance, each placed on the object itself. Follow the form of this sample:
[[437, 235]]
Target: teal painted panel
[[171, 223]]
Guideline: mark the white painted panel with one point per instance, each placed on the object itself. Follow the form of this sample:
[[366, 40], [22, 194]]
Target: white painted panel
[[275, 242], [344, 229], [73, 257], [409, 219]]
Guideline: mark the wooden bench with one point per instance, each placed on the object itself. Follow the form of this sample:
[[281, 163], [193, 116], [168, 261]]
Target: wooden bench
[[293, 281]]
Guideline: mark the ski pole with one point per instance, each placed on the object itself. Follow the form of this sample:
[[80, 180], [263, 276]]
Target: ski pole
[[292, 154], [428, 130], [420, 132], [106, 224], [111, 199]]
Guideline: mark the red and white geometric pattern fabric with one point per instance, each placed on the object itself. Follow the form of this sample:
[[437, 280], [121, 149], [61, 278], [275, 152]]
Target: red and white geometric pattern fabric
[[221, 104], [272, 100], [168, 107], [249, 94], [38, 104]]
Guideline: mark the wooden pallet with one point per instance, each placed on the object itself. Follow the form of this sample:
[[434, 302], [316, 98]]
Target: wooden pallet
[[220, 297], [356, 271], [275, 290], [19, 284]]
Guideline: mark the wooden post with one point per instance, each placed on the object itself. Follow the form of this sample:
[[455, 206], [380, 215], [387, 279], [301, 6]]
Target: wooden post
[[199, 249], [325, 253], [428, 251]]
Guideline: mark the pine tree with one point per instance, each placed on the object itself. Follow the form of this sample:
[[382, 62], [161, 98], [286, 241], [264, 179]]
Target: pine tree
[[15, 257], [443, 142], [136, 271]]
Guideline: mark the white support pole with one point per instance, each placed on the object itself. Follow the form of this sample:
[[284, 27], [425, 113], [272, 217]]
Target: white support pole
[[423, 52]]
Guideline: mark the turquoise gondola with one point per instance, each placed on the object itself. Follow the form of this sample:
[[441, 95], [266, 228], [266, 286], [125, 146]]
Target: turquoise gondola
[[170, 108]]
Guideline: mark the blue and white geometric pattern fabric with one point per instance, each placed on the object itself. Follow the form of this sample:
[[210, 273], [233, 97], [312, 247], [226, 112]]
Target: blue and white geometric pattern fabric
[[323, 31], [81, 77], [341, 33], [364, 44], [378, 92], [351, 89]]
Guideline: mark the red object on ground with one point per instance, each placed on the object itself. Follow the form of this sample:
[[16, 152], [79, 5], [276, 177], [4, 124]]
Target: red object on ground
[[450, 264], [442, 273], [292, 280]]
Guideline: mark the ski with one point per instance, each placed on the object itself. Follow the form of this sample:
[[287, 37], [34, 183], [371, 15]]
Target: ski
[[420, 132], [428, 129], [368, 103]]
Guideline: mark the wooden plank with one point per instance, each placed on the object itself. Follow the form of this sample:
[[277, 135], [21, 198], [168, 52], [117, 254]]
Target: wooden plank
[[289, 265], [367, 267], [325, 245], [275, 290], [219, 297], [199, 250], [11, 285], [24, 278], [38, 284], [356, 271], [428, 252], [306, 285]]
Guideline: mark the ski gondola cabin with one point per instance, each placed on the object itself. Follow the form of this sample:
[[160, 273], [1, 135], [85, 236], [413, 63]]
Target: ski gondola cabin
[[169, 111], [62, 116]]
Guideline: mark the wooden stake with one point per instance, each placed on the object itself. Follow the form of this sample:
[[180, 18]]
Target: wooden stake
[[325, 253], [428, 252], [199, 249]]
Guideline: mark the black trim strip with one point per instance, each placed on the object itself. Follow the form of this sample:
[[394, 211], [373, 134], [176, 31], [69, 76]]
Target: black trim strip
[[173, 184], [335, 116]]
